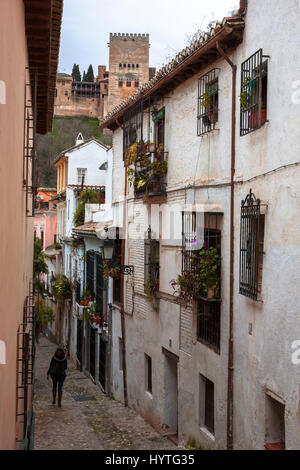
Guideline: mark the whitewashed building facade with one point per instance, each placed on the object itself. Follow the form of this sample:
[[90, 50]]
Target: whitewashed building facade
[[218, 370]]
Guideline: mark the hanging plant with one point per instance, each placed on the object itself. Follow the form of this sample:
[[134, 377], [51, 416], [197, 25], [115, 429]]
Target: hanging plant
[[160, 150], [206, 100], [246, 94], [63, 288]]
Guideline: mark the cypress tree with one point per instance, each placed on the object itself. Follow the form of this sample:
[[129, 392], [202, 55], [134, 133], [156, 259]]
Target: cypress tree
[[90, 74], [84, 76], [76, 73]]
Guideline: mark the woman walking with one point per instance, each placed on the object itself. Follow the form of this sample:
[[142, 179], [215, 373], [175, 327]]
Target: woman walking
[[57, 372]]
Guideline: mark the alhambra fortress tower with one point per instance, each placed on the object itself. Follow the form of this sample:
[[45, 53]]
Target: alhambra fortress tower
[[128, 70], [128, 66]]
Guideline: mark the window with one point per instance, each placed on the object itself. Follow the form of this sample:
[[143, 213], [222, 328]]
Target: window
[[148, 373], [207, 404], [128, 65], [275, 424], [42, 239], [120, 65], [128, 84], [136, 84], [253, 97], [251, 247], [159, 126], [63, 83], [81, 174], [124, 65], [208, 323], [208, 102], [66, 93], [120, 83], [132, 66], [137, 66], [151, 274], [201, 253], [133, 126]]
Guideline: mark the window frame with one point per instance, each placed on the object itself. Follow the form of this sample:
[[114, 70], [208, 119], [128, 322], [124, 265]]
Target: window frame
[[252, 229], [254, 85], [208, 114]]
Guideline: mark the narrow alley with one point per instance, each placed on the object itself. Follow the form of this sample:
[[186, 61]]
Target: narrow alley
[[88, 419]]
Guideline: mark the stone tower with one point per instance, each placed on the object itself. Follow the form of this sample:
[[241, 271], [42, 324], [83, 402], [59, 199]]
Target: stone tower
[[128, 66]]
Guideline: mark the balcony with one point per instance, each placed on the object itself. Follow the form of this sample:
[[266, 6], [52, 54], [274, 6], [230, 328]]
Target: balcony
[[148, 175]]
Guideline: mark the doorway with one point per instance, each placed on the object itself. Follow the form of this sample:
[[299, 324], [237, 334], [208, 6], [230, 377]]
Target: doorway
[[170, 406], [102, 364]]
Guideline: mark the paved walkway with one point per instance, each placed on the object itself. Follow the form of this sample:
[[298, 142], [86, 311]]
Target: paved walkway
[[100, 423]]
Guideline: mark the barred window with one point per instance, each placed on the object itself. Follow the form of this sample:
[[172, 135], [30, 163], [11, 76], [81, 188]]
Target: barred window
[[251, 247], [201, 252], [253, 97], [159, 127], [151, 259], [132, 126], [208, 323], [208, 102]]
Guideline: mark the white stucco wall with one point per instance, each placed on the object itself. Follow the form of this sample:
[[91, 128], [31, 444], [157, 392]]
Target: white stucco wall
[[262, 360]]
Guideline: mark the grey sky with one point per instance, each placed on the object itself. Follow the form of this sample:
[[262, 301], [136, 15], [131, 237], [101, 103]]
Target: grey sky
[[87, 24]]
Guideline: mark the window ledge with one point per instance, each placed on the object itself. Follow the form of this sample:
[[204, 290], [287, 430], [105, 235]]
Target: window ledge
[[207, 433]]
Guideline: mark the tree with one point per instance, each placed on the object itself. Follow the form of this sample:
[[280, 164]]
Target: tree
[[90, 74], [76, 73], [84, 76]]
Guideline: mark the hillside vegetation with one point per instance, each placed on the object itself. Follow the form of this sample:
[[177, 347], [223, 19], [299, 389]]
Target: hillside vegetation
[[63, 136]]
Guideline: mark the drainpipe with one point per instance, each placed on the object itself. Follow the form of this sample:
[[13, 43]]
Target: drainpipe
[[122, 295], [230, 345], [109, 350]]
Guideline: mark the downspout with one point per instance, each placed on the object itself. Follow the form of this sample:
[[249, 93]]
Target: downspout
[[230, 341], [122, 294]]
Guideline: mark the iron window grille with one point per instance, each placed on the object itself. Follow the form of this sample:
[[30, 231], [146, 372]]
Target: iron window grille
[[90, 266], [251, 247], [209, 323], [253, 97], [208, 102], [155, 184], [201, 251], [152, 249], [133, 126]]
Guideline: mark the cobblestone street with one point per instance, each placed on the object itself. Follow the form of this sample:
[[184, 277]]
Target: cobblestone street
[[97, 424]]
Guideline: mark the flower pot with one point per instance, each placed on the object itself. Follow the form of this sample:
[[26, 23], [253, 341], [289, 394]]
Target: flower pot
[[151, 148], [254, 118]]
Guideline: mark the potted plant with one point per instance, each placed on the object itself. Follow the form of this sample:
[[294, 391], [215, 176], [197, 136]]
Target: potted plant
[[159, 168], [202, 280], [151, 147]]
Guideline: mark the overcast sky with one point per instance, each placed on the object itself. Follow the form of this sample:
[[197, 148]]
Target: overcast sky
[[87, 24]]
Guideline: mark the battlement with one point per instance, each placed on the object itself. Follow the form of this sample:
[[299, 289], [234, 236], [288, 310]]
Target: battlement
[[129, 37]]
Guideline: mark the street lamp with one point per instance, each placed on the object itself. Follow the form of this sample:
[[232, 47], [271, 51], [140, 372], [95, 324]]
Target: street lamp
[[108, 249]]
